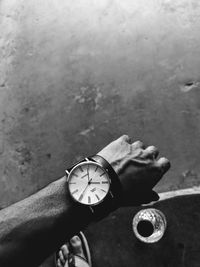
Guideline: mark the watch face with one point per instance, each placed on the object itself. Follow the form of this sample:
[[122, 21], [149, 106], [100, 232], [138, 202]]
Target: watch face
[[88, 183]]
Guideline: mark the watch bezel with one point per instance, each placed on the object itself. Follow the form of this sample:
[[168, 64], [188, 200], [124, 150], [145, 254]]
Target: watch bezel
[[81, 164]]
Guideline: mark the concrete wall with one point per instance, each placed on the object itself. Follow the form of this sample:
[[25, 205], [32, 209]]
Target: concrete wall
[[76, 74]]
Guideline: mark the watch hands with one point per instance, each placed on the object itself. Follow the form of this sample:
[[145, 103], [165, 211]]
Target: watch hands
[[86, 187], [88, 173], [82, 194], [84, 176]]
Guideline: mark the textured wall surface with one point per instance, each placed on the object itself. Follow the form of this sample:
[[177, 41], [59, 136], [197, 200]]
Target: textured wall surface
[[76, 74]]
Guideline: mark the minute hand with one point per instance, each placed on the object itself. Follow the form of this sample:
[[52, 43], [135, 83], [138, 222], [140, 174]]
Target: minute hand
[[88, 173], [82, 194]]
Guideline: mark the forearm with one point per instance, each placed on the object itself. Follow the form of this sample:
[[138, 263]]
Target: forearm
[[35, 227]]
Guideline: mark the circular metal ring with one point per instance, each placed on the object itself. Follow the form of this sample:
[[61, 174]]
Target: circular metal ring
[[149, 225]]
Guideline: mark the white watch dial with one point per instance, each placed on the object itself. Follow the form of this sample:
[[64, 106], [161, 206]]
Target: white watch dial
[[88, 183]]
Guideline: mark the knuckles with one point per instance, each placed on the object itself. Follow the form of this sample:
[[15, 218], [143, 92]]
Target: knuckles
[[125, 138], [138, 144], [137, 152]]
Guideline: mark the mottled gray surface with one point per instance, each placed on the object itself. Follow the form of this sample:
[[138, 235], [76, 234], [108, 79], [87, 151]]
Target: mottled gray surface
[[76, 74]]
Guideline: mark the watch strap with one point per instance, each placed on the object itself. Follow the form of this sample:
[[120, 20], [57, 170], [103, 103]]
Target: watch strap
[[104, 208], [67, 171]]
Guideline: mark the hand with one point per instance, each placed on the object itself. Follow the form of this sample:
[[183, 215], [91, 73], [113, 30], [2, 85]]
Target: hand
[[138, 168]]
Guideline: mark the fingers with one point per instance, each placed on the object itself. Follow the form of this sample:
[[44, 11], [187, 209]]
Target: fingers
[[138, 144], [59, 264], [125, 138], [65, 251], [151, 152], [163, 164], [61, 257]]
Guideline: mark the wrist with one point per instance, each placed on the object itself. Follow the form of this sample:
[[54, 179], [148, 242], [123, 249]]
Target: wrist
[[78, 212]]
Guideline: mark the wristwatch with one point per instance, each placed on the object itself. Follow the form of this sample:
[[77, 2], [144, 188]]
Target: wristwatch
[[93, 183]]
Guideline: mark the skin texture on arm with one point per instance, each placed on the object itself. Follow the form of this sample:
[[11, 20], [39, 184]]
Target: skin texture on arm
[[37, 226], [34, 227]]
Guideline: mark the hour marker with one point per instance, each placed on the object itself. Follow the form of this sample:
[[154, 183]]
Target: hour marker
[[97, 196], [94, 189], [89, 199], [94, 182], [104, 182], [96, 168], [81, 197], [75, 174], [103, 190], [72, 182], [75, 191], [102, 174], [81, 168]]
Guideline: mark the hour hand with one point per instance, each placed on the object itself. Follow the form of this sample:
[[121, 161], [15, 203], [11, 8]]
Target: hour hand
[[84, 175]]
